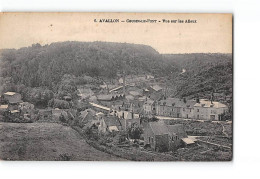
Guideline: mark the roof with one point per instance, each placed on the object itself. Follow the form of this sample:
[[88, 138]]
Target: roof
[[15, 101], [112, 121], [3, 106], [149, 102], [177, 129], [14, 111], [104, 97], [143, 98], [134, 93], [177, 102], [129, 97], [113, 128], [156, 87], [188, 140], [99, 106], [158, 128], [99, 113], [10, 93], [208, 104], [87, 112]]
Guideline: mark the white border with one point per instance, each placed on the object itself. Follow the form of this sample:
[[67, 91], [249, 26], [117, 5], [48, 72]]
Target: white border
[[246, 95]]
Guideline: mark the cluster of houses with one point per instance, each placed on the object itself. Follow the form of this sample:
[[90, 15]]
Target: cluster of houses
[[13, 106], [203, 109], [157, 135]]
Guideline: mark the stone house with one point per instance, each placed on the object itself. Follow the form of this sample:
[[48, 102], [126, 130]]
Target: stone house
[[109, 124], [209, 110], [170, 107], [162, 137]]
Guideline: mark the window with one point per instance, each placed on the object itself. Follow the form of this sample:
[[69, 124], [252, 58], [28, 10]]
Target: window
[[183, 109], [198, 110], [151, 139], [190, 110]]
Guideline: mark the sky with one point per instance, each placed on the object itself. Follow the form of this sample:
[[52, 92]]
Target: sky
[[211, 34]]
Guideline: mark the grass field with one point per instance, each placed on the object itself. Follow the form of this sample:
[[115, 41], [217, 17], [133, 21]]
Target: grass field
[[46, 141]]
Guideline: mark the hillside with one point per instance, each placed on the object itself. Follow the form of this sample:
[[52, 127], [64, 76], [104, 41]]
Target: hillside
[[203, 74], [45, 65], [46, 141]]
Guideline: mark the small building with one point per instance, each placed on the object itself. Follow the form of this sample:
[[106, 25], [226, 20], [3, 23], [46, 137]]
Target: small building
[[148, 107], [12, 98], [110, 97], [127, 118], [155, 88], [109, 124], [3, 108], [88, 117], [170, 107], [154, 92], [162, 137], [209, 110]]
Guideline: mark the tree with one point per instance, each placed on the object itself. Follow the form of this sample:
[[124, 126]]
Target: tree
[[134, 131]]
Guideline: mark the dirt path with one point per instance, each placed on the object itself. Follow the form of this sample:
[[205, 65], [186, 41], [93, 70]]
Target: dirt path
[[46, 141], [224, 130]]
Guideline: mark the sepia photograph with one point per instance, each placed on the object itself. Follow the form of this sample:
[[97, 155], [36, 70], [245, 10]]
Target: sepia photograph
[[116, 86]]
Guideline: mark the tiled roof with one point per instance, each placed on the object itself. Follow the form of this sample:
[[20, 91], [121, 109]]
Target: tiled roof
[[177, 129], [112, 121], [207, 104], [176, 102], [3, 106], [10, 93], [156, 87], [158, 128]]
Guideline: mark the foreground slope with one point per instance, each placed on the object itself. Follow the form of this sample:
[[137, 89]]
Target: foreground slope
[[46, 141]]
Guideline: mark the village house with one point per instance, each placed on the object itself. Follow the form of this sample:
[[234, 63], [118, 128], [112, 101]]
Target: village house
[[127, 118], [109, 124], [154, 92], [162, 137], [148, 108], [187, 110], [88, 117], [3, 108], [13, 99], [170, 107], [209, 110], [190, 109]]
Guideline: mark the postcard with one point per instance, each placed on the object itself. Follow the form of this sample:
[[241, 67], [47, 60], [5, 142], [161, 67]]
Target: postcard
[[116, 87]]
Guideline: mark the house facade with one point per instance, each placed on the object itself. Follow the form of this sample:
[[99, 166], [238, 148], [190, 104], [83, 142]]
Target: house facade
[[209, 110], [190, 109], [170, 107], [148, 108]]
